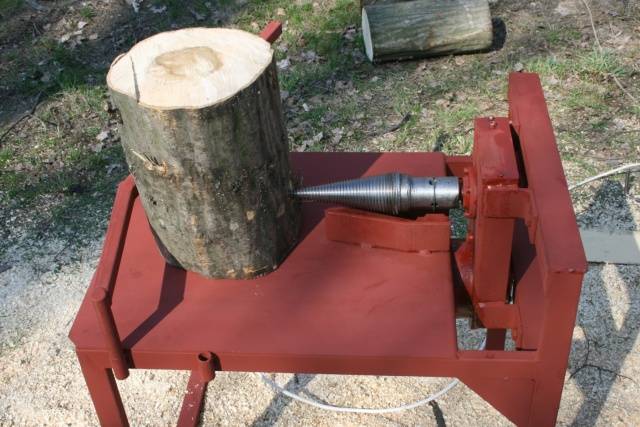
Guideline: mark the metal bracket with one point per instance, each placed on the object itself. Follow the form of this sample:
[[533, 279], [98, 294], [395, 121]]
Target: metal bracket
[[429, 233], [510, 202], [498, 314]]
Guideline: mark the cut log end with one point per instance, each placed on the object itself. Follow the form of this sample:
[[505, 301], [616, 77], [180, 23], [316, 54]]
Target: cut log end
[[366, 35], [190, 68]]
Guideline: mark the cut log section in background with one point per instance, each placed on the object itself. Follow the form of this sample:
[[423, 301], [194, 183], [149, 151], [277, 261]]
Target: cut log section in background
[[204, 137], [397, 29]]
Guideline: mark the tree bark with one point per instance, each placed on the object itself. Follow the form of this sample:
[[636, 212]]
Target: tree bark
[[397, 29], [215, 180]]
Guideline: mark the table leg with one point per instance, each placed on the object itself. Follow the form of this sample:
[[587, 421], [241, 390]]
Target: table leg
[[193, 401], [104, 392]]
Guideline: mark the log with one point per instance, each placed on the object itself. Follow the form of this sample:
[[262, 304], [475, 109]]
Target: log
[[204, 137], [396, 29]]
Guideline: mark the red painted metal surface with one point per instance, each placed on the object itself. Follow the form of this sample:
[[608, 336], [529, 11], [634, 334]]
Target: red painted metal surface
[[101, 304], [428, 233], [107, 270], [494, 165], [193, 401], [103, 389], [272, 31], [317, 302], [342, 308], [196, 389]]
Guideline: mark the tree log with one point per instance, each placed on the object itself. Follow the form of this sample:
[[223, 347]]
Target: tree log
[[397, 29], [204, 136]]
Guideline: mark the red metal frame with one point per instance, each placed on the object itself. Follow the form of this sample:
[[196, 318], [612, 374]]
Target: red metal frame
[[428, 233], [272, 31], [363, 309]]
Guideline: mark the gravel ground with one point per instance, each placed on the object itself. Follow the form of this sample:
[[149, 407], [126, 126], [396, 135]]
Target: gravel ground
[[41, 383]]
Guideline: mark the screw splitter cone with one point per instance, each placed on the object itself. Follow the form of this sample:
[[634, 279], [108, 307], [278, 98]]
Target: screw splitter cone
[[393, 193]]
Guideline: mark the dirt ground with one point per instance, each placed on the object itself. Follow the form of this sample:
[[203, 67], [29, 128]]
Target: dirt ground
[[60, 160]]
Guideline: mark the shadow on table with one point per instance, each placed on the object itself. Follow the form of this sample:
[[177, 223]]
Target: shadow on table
[[171, 295]]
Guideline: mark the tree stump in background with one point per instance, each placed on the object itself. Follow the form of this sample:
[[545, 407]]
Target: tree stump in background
[[204, 137], [400, 29]]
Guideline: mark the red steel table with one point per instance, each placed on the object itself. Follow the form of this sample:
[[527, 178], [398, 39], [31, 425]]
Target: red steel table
[[340, 308]]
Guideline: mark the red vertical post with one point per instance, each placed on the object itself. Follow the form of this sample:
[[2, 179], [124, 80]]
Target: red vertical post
[[104, 392], [272, 31], [106, 273], [495, 166], [558, 249], [101, 303], [196, 389]]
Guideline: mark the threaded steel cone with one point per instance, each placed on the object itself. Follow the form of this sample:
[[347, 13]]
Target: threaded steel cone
[[392, 193]]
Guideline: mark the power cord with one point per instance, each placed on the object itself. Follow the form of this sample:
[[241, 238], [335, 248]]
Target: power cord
[[334, 408]]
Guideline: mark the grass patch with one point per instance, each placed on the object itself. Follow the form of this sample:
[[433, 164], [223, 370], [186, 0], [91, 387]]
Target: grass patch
[[556, 35], [550, 66], [459, 144], [75, 72], [61, 69], [179, 9], [87, 12], [594, 65], [310, 28], [600, 64], [404, 100], [59, 156], [454, 117], [314, 116], [586, 96], [7, 7]]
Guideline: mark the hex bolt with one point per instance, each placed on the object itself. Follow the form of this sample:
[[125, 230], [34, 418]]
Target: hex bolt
[[492, 122]]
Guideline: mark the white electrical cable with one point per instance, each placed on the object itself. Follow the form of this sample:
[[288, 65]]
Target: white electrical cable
[[628, 168], [358, 410], [378, 411]]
